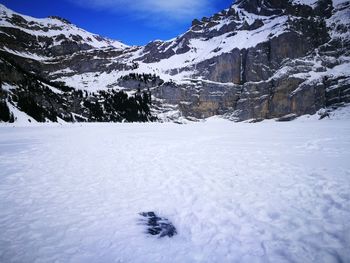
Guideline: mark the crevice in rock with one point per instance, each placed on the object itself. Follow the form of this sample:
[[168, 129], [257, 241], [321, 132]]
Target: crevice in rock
[[243, 62]]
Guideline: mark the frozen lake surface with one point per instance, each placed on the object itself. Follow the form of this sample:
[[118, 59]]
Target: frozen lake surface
[[265, 192]]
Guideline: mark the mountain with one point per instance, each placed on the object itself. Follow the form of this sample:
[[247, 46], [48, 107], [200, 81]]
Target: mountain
[[257, 59]]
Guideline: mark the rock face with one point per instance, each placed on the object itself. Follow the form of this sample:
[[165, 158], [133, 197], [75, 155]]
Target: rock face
[[257, 59]]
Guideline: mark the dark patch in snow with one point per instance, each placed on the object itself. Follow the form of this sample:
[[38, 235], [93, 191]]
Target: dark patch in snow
[[324, 114], [158, 226]]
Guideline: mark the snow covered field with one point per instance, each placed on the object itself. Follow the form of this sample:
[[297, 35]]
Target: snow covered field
[[266, 192]]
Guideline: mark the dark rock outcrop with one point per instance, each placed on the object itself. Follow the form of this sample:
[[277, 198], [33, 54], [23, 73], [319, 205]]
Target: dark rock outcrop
[[158, 226]]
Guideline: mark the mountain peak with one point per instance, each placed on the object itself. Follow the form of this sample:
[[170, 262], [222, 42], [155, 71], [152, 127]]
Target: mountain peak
[[60, 19]]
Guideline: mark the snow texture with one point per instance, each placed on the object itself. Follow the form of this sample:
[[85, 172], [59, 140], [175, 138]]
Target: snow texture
[[236, 192], [311, 3]]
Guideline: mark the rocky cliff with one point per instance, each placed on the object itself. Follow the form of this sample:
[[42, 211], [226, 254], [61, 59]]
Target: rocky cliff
[[257, 59]]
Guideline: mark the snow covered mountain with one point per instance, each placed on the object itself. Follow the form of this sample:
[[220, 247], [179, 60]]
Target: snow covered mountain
[[257, 59], [47, 37]]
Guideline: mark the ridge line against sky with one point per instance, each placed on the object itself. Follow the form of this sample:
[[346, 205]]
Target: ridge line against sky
[[131, 22]]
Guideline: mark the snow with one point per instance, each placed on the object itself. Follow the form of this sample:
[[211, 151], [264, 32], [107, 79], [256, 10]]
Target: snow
[[340, 19], [53, 89], [339, 2], [7, 86], [21, 118], [203, 49], [236, 192], [341, 70], [56, 28], [311, 3], [25, 54], [93, 81]]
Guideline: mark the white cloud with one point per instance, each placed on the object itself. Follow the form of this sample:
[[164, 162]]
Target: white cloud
[[147, 9]]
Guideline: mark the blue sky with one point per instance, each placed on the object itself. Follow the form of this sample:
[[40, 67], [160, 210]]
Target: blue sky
[[134, 22]]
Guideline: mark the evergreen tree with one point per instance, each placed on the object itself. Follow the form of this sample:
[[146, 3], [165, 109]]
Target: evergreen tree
[[5, 114]]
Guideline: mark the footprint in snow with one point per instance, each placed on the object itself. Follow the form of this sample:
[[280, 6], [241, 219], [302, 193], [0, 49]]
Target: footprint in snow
[[157, 226]]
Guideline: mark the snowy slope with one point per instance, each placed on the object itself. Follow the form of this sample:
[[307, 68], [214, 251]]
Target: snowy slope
[[311, 3], [206, 42], [236, 193], [202, 49], [203, 44], [53, 27], [340, 21]]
